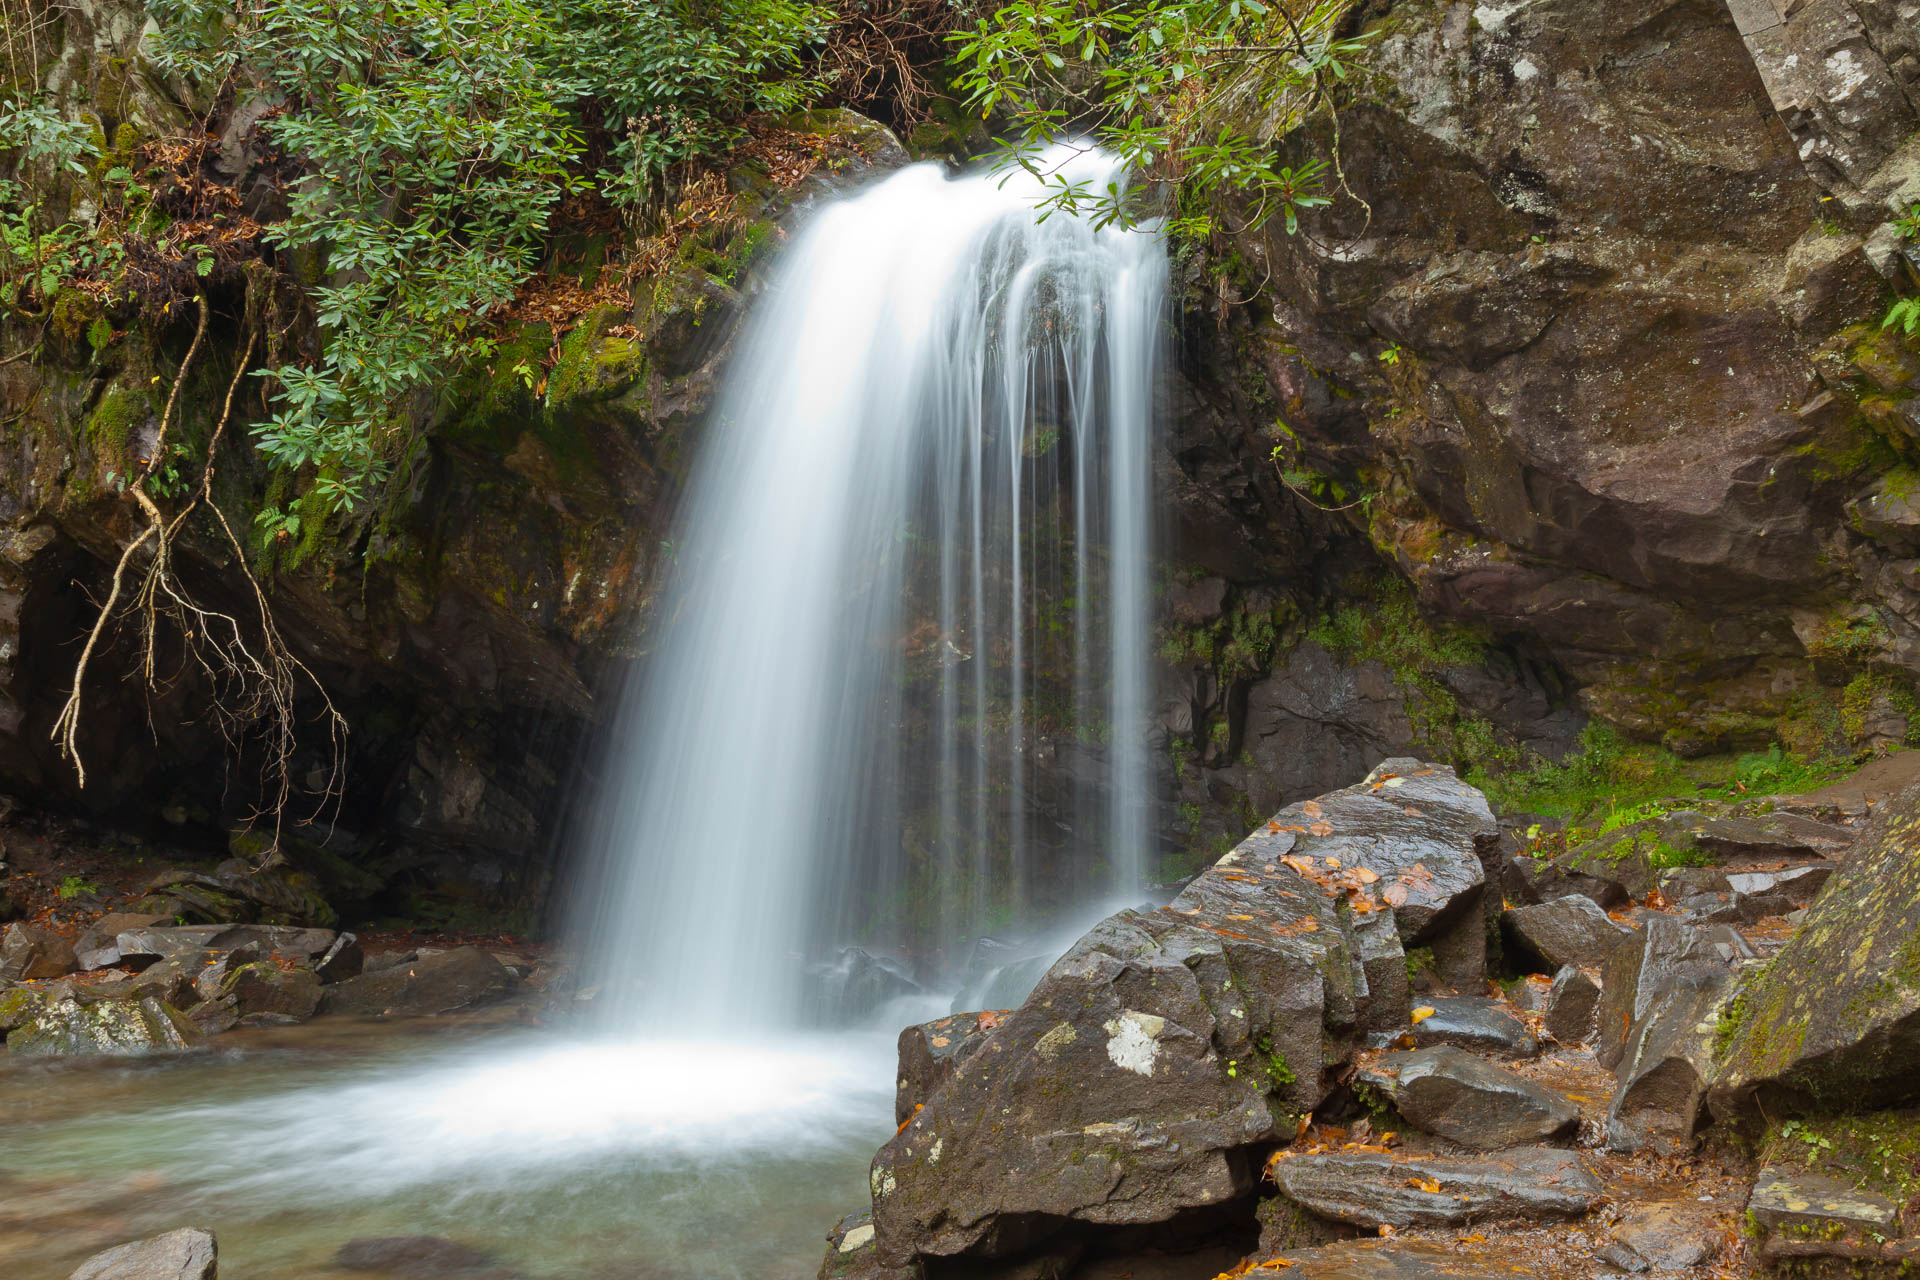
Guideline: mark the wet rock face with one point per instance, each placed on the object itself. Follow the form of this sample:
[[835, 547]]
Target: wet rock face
[[1450, 1092], [1572, 930], [931, 1052], [1661, 999], [1834, 1018], [1608, 383], [1140, 1079], [69, 1024], [1476, 1023]]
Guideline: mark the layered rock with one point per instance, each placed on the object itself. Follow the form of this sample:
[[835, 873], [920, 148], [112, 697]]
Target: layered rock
[[1144, 1073]]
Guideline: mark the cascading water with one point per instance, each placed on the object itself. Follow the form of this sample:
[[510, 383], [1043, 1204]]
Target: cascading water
[[911, 560]]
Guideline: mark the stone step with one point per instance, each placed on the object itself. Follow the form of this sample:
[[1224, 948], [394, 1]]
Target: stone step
[[1370, 1189]]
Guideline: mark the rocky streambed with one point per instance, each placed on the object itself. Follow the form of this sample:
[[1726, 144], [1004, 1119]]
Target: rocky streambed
[[1389, 1034]]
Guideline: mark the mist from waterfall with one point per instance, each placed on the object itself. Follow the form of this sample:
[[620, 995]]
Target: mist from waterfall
[[911, 560]]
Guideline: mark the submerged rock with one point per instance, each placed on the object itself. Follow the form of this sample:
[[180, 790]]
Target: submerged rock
[[186, 1254], [1450, 1092], [446, 982], [1165, 1047], [1370, 1190], [419, 1258]]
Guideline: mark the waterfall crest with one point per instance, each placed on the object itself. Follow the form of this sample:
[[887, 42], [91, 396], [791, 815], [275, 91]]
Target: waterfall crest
[[909, 571]]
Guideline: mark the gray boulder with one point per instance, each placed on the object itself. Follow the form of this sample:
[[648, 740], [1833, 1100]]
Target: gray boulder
[[1450, 1092], [186, 1254], [28, 953], [71, 1025], [1370, 1189], [1570, 930], [1660, 1004], [445, 982], [1572, 1006], [1165, 1048], [1477, 1023]]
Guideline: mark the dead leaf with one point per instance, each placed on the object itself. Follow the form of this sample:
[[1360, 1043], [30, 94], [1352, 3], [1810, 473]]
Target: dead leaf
[[1386, 1229], [1239, 917], [1322, 828], [1366, 875], [1429, 1185], [1334, 863], [1312, 809], [1475, 1238], [1395, 895], [1302, 864], [989, 1020], [1421, 1014]]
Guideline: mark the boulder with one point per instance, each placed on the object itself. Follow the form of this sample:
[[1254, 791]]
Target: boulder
[[1664, 955], [98, 947], [265, 989], [1666, 1235], [1371, 1189], [931, 1052], [186, 1254], [1834, 1018], [1570, 930], [147, 946], [215, 968], [1157, 1056], [28, 953], [1450, 1092], [1572, 1004], [444, 982], [1474, 1022], [68, 1025], [1660, 1003]]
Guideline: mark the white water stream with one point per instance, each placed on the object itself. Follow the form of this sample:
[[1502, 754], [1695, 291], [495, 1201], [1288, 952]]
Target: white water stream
[[937, 427], [913, 556]]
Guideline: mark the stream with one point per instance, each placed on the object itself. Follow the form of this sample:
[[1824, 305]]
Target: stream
[[559, 1156]]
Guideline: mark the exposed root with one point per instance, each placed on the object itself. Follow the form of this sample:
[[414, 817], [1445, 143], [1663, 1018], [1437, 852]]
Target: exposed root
[[254, 678]]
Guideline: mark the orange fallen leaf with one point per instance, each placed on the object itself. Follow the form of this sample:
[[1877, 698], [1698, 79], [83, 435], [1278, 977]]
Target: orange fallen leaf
[[1429, 1185], [1395, 894], [1386, 1229], [1475, 1238], [1303, 865], [1312, 809], [1322, 828], [1421, 1014], [917, 1108], [989, 1020], [1333, 862], [1366, 875], [1239, 917]]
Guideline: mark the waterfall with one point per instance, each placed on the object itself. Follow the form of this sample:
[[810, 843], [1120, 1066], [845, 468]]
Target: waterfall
[[908, 594]]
